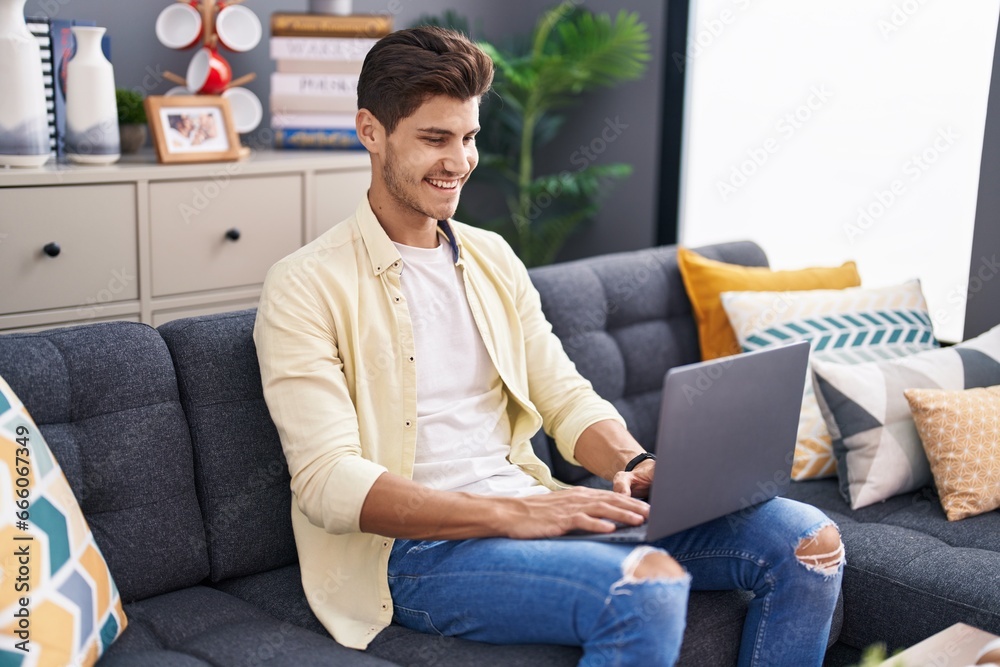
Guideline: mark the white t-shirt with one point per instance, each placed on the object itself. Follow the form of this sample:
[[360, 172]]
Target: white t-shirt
[[463, 430]]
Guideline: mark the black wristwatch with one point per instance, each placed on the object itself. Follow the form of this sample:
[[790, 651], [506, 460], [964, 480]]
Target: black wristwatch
[[639, 459]]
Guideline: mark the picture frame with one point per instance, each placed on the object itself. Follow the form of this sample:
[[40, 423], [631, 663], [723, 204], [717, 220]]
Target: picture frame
[[192, 128]]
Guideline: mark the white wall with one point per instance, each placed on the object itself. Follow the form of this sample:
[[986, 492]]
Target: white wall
[[841, 129]]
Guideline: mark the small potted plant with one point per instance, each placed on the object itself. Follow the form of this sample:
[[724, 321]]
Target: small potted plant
[[131, 120]]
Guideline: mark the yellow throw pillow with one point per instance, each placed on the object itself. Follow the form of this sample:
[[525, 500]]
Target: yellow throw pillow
[[60, 604], [960, 431], [706, 279]]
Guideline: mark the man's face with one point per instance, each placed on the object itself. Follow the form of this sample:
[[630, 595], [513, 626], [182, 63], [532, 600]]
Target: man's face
[[431, 154]]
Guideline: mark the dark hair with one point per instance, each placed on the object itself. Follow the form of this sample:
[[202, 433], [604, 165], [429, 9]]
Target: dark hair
[[406, 68]]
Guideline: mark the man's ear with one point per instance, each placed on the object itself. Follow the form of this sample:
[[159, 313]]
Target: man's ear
[[371, 133]]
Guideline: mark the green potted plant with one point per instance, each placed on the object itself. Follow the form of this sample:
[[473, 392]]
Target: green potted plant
[[571, 51], [131, 120]]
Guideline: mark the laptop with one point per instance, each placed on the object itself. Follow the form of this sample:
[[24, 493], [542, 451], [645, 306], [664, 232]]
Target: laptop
[[725, 442]]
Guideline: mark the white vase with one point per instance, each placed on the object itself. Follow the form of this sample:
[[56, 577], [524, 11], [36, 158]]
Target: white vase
[[24, 132], [91, 107]]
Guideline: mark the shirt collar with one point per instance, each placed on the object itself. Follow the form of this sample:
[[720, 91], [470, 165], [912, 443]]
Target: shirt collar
[[382, 253]]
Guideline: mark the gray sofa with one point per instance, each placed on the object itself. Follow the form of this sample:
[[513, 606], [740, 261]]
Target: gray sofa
[[167, 443]]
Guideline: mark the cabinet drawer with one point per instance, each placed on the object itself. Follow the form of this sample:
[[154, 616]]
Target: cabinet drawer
[[94, 227], [190, 221], [337, 196]]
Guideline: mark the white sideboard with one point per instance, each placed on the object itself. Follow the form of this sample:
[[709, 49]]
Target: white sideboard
[[150, 243]]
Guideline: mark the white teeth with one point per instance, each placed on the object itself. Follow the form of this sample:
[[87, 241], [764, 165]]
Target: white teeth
[[447, 185]]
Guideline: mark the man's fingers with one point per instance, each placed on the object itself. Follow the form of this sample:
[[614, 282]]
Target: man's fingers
[[593, 525], [622, 484]]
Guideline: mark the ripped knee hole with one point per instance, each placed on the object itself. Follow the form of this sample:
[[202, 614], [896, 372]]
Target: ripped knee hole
[[823, 551], [646, 562]]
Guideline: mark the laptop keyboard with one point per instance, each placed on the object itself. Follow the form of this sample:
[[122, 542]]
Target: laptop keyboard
[[626, 533]]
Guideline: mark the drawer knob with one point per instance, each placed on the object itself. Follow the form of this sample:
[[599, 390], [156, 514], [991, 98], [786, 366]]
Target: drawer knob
[[233, 234], [52, 249]]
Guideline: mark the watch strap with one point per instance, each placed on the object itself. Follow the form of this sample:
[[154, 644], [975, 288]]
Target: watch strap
[[638, 459]]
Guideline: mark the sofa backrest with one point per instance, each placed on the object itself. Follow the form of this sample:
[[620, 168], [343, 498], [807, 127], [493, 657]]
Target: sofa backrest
[[240, 469], [625, 319], [105, 398]]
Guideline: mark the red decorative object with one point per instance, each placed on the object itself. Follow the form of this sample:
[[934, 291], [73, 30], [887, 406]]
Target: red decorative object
[[222, 23]]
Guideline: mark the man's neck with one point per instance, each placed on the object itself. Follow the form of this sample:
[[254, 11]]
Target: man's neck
[[403, 226]]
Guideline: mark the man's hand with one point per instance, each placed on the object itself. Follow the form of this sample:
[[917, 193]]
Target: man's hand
[[580, 508], [636, 483]]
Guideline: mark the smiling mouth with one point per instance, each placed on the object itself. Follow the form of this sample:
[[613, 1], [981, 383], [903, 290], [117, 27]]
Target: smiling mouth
[[447, 185]]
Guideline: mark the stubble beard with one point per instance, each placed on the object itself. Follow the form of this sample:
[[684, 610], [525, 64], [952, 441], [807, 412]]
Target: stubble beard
[[400, 187]]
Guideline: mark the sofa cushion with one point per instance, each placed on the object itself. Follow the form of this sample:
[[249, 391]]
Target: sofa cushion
[[105, 398], [847, 326], [878, 450], [714, 627], [42, 523], [240, 469], [911, 573], [625, 319], [206, 627], [960, 432], [706, 279]]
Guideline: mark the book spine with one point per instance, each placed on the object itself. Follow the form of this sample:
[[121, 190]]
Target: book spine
[[290, 104], [314, 84], [312, 121], [62, 51], [320, 48], [319, 66], [40, 28], [320, 25], [317, 139]]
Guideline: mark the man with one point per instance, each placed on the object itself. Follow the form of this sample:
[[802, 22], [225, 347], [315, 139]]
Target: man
[[406, 363]]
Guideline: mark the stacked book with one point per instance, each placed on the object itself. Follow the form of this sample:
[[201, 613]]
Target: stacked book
[[314, 90], [39, 27]]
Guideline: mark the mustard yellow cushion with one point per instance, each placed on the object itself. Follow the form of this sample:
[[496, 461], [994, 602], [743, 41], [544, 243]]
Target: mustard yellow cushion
[[706, 279], [960, 432]]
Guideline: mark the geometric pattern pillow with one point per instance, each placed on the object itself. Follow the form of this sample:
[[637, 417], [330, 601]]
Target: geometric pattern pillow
[[58, 602], [849, 326], [706, 279], [878, 450], [961, 435]]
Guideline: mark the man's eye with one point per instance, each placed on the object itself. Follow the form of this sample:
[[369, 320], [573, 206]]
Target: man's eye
[[437, 141], [470, 139]]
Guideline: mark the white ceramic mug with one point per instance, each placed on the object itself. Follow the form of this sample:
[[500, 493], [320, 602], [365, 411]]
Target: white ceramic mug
[[246, 108], [208, 72], [179, 26], [238, 28]]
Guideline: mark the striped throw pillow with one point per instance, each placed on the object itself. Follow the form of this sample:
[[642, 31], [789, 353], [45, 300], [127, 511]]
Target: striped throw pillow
[[847, 326]]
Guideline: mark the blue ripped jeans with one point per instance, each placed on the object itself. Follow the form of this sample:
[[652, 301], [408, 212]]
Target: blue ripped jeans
[[504, 591]]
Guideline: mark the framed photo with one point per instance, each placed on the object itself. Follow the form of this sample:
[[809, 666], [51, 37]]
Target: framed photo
[[192, 128]]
